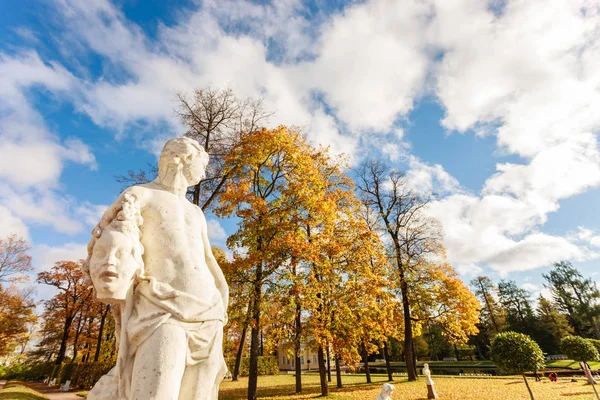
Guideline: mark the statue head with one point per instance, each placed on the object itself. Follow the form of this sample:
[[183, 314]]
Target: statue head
[[426, 369], [182, 156], [116, 258], [386, 390]]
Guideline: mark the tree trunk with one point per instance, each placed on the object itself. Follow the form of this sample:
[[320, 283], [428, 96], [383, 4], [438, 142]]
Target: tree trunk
[[456, 352], [338, 371], [366, 363], [328, 365], [254, 337], [298, 367], [196, 198], [528, 388], [240, 352], [487, 304], [322, 371], [63, 342], [262, 343], [100, 333], [76, 339], [411, 367], [238, 355], [388, 366]]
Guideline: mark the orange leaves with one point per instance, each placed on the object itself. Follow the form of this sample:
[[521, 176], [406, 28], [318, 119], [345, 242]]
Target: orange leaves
[[441, 296], [16, 314]]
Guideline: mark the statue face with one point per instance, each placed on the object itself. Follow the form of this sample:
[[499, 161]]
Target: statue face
[[112, 265], [194, 169]]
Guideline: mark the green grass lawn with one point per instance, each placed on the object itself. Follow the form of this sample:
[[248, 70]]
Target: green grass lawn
[[18, 391]]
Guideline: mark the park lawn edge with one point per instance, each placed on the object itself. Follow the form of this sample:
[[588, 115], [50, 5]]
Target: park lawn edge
[[18, 390]]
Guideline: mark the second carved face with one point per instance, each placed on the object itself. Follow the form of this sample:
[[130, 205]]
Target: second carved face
[[113, 265]]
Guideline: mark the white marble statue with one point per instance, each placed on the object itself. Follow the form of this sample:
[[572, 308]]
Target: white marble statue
[[150, 256], [386, 392], [431, 393]]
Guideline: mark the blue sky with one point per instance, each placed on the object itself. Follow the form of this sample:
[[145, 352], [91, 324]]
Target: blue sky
[[491, 105]]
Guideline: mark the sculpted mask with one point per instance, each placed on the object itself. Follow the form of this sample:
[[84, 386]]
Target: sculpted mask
[[116, 258], [113, 265]]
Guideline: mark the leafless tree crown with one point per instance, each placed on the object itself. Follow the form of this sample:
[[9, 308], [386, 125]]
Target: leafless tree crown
[[399, 211], [218, 120]]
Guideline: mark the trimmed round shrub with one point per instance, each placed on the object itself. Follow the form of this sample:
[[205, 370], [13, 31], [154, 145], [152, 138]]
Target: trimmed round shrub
[[578, 348], [516, 353], [596, 344]]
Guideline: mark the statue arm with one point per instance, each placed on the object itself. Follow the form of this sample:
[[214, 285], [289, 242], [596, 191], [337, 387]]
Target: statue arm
[[213, 266]]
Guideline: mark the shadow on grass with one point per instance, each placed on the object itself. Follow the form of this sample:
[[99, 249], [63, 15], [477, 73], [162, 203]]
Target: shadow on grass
[[310, 390]]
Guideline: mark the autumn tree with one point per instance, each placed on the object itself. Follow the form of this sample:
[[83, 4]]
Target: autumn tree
[[412, 235], [218, 120], [17, 314], [440, 297], [14, 259], [274, 175], [74, 293]]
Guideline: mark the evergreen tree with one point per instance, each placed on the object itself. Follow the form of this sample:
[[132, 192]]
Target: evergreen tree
[[575, 296]]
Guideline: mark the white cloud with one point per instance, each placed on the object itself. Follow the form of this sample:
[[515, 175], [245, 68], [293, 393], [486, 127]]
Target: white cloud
[[367, 77], [589, 236], [91, 213], [497, 231], [372, 61], [41, 207], [528, 75], [44, 257], [31, 157], [216, 233], [10, 224], [429, 179]]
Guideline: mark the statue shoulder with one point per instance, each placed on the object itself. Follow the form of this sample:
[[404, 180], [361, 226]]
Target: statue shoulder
[[142, 192]]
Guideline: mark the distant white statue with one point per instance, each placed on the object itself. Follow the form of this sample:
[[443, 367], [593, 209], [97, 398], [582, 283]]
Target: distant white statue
[[431, 393], [150, 256], [65, 387], [386, 392], [588, 373]]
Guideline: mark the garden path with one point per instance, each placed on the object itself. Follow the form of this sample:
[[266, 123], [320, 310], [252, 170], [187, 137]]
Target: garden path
[[53, 392]]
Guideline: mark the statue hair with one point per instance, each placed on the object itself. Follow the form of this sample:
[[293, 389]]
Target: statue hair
[[178, 150], [128, 222]]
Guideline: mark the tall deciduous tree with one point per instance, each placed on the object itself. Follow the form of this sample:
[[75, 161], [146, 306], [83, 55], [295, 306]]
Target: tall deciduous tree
[[74, 293], [16, 316], [400, 211], [14, 260], [274, 177], [440, 296], [218, 119]]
